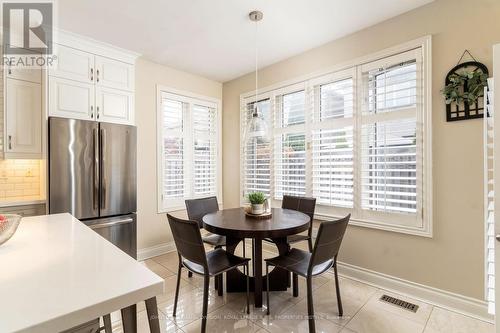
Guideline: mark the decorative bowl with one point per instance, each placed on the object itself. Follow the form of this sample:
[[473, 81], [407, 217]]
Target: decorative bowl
[[8, 226]]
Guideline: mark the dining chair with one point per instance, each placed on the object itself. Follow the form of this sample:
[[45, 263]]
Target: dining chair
[[196, 209], [310, 264], [304, 205], [193, 257]]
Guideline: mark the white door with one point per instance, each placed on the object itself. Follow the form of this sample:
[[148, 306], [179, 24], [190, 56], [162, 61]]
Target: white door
[[114, 74], [73, 64], [114, 106], [23, 117], [71, 99]]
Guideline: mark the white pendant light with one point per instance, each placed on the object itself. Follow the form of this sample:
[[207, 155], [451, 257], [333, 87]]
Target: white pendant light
[[256, 129]]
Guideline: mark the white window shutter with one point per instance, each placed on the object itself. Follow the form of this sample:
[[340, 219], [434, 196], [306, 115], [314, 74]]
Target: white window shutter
[[290, 144], [205, 150], [190, 143], [353, 139], [391, 140], [173, 149], [489, 196], [389, 166], [333, 167], [333, 143]]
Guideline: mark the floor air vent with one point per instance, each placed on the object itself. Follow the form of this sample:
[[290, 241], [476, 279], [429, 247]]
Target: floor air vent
[[399, 303]]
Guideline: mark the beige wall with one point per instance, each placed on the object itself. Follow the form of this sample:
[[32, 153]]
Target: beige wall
[[453, 259], [152, 228]]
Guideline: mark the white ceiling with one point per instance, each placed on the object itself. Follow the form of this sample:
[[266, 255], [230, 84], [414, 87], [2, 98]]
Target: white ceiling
[[214, 38]]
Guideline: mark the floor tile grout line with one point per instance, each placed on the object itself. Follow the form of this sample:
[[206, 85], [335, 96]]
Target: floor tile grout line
[[361, 307], [429, 318]]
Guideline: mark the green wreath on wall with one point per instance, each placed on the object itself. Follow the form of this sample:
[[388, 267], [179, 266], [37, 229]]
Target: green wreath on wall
[[464, 89], [474, 80]]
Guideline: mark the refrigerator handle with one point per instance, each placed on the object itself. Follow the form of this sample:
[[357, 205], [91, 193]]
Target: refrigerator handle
[[103, 174], [96, 168]]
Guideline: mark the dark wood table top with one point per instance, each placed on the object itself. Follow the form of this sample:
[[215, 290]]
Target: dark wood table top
[[235, 223]]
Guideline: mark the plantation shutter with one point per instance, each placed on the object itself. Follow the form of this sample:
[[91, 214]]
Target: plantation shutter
[[391, 136], [290, 144], [357, 139], [205, 150], [257, 153], [489, 195], [189, 151], [333, 144], [173, 114]]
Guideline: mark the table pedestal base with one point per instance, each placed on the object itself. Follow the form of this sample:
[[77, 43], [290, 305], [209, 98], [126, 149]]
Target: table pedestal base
[[278, 278]]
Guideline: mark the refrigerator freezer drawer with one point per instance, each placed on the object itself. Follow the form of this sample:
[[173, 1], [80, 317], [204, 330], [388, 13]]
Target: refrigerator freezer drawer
[[119, 230]]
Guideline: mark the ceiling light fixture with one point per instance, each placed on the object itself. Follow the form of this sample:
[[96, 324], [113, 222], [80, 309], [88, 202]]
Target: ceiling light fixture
[[257, 127]]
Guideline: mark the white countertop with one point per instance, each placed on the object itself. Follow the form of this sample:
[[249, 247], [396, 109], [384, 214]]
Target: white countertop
[[56, 273], [22, 201]]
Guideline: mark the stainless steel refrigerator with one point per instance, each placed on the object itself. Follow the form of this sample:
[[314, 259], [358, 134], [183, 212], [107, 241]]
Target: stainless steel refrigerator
[[92, 175]]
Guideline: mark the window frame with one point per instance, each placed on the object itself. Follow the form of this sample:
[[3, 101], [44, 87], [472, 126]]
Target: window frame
[[192, 99], [386, 221]]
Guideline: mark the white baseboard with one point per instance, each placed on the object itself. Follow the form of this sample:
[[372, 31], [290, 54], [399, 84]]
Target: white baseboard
[[153, 251], [454, 302]]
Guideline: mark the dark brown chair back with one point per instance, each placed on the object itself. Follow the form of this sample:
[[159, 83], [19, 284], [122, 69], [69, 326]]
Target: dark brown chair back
[[327, 246], [197, 208], [188, 240], [302, 204]]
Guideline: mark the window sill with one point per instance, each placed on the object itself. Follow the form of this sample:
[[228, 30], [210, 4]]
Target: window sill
[[175, 209], [167, 210], [425, 231]]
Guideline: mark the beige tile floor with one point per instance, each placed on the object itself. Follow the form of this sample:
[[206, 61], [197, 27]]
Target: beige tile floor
[[363, 312]]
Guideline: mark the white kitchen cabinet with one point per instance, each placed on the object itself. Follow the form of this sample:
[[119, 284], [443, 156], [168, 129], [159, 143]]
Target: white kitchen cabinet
[[25, 74], [73, 64], [18, 71], [23, 119], [114, 74], [91, 81], [71, 99], [114, 106]]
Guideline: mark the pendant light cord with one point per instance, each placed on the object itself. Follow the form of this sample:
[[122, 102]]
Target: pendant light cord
[[255, 113]]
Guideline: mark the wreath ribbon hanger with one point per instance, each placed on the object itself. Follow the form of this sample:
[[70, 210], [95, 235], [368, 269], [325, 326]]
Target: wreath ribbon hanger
[[463, 55]]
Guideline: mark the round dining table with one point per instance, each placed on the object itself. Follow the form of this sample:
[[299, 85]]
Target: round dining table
[[237, 226]]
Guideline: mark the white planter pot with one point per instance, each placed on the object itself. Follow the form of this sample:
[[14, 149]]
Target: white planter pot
[[257, 208]]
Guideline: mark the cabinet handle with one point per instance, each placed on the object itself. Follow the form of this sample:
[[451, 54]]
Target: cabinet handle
[[97, 72], [92, 111], [91, 74], [97, 108], [10, 142]]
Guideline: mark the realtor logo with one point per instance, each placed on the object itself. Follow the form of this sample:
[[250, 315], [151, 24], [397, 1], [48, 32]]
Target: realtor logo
[[27, 28]]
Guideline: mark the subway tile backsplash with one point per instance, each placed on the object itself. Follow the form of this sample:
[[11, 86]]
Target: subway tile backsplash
[[20, 178]]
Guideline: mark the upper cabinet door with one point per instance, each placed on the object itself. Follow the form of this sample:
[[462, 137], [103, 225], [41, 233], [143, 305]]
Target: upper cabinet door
[[71, 99], [73, 64], [114, 106], [23, 117], [25, 74], [114, 74]]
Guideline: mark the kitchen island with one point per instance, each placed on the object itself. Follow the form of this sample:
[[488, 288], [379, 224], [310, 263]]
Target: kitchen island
[[56, 274]]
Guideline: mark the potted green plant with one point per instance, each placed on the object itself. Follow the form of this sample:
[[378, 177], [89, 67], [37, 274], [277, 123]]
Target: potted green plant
[[257, 200]]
